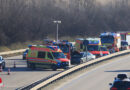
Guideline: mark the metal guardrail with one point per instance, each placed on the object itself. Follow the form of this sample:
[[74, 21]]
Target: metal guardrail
[[59, 75], [12, 52], [52, 78]]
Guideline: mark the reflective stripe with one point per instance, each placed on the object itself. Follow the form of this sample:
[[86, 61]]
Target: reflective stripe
[[40, 60]]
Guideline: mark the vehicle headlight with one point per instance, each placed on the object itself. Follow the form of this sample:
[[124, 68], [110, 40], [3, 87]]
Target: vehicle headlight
[[58, 64]]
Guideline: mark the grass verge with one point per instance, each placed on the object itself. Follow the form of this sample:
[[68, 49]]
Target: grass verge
[[19, 45]]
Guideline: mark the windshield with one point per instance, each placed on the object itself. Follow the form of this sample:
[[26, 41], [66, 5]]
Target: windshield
[[124, 43], [88, 53], [59, 55], [93, 48], [104, 49], [82, 54], [78, 55], [64, 48], [107, 39]]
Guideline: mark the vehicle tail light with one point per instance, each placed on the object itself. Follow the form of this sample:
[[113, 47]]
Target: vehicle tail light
[[128, 88], [114, 88]]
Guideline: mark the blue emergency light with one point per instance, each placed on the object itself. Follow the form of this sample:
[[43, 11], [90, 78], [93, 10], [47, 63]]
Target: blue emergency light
[[93, 42]]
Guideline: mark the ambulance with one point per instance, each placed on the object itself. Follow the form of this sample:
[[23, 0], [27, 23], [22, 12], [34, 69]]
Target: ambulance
[[46, 57]]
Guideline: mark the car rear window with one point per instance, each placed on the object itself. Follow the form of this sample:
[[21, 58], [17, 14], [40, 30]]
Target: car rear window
[[120, 84], [124, 43]]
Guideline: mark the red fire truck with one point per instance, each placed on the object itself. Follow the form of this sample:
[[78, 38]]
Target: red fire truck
[[111, 40], [93, 45], [66, 47]]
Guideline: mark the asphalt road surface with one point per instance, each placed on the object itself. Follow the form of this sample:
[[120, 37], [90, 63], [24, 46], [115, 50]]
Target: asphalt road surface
[[98, 78], [21, 75]]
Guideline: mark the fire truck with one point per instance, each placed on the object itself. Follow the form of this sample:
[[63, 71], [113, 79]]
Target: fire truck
[[111, 40], [93, 45], [66, 47]]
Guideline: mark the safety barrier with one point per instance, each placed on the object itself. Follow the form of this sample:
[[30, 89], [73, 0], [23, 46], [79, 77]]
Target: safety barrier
[[12, 52], [45, 82], [56, 76]]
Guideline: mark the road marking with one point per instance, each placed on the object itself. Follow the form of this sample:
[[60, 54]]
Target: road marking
[[77, 78]]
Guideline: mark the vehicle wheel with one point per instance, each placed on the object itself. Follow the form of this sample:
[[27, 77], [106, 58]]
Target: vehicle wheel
[[54, 68], [32, 66], [81, 61], [28, 65], [3, 66]]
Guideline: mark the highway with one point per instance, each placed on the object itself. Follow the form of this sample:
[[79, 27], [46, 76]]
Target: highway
[[21, 75], [99, 77]]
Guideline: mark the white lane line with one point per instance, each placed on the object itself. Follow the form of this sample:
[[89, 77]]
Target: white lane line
[[73, 80]]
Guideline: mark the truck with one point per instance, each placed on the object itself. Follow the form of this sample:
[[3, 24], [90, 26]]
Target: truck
[[125, 36], [93, 45], [111, 40], [46, 56], [66, 47]]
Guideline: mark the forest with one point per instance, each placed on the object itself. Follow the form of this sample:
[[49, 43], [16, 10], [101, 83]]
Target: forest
[[28, 20]]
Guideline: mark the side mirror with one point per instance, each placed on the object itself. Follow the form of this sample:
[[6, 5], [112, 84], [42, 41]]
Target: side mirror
[[110, 84]]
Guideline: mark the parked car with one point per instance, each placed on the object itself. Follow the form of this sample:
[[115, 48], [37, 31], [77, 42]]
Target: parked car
[[78, 58], [25, 53], [124, 45], [2, 62], [90, 56], [121, 82]]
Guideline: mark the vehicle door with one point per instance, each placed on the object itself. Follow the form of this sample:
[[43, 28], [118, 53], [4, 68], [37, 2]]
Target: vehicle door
[[50, 58]]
